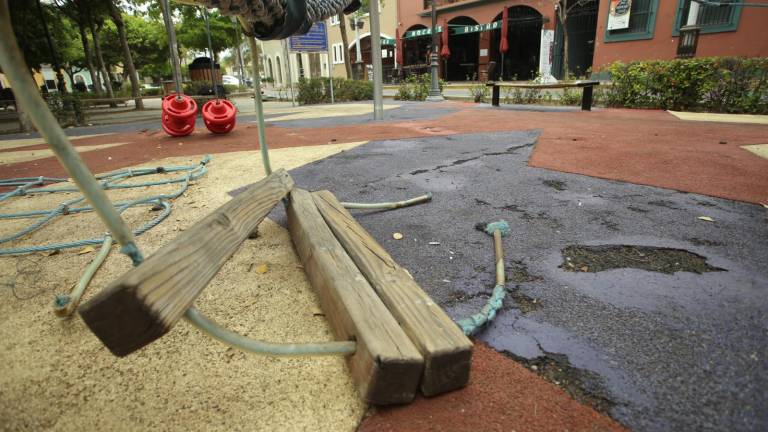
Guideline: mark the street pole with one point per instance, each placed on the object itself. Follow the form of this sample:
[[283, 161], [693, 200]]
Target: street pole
[[359, 55], [378, 99], [288, 70], [329, 61], [434, 90]]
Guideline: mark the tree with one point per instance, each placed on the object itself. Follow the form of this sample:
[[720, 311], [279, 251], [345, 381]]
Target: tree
[[95, 22], [129, 67], [563, 8], [78, 12], [192, 33], [345, 42]]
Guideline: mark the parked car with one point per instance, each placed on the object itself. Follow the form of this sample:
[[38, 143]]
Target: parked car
[[229, 80]]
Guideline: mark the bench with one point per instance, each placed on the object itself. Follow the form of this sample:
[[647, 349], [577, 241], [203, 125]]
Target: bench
[[585, 85]]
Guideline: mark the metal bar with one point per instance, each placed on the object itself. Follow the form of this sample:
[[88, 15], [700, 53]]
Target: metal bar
[[259, 104], [172, 45], [210, 49], [378, 97]]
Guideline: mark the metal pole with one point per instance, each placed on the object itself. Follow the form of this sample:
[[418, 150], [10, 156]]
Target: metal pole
[[172, 45], [259, 105], [378, 100], [434, 90], [329, 62], [358, 53], [210, 48], [288, 70]]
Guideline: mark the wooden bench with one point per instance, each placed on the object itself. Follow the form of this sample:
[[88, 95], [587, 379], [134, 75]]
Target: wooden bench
[[404, 341], [586, 86]]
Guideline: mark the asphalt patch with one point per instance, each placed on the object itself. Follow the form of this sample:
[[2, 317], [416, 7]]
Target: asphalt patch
[[595, 259]]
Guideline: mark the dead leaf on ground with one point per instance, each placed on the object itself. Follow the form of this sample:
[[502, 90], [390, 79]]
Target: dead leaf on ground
[[705, 218], [262, 268], [85, 250], [585, 269]]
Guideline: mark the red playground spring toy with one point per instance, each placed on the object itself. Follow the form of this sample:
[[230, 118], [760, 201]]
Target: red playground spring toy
[[179, 115], [219, 116]]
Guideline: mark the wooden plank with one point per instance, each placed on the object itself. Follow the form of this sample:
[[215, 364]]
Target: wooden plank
[[447, 352], [387, 366], [147, 301]]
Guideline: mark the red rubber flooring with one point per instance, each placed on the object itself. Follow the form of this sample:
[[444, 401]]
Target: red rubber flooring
[[644, 147], [502, 396]]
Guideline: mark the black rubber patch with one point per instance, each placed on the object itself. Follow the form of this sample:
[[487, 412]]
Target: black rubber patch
[[593, 259]]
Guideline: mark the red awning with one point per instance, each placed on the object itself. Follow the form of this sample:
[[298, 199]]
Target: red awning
[[504, 44], [445, 51]]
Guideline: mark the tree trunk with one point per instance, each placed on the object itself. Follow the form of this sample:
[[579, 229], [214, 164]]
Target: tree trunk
[[345, 42], [562, 13], [100, 60], [89, 60], [60, 83], [117, 18]]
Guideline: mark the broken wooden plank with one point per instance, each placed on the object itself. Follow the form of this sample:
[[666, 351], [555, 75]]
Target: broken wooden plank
[[144, 303], [447, 351], [386, 366]]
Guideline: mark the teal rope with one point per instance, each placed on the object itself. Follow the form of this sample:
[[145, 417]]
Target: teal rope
[[476, 322], [108, 181]]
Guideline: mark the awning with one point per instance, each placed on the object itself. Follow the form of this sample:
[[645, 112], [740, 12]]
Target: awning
[[455, 29]]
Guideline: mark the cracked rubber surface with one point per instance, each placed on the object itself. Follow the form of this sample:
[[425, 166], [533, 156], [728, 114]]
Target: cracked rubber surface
[[670, 352]]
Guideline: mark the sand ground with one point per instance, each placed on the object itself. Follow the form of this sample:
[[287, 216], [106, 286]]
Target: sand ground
[[58, 376]]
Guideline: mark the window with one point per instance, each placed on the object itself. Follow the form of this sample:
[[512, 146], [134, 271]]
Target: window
[[642, 22], [334, 20], [338, 53], [712, 19]]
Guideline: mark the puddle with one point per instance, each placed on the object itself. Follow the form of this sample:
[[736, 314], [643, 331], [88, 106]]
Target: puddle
[[593, 259]]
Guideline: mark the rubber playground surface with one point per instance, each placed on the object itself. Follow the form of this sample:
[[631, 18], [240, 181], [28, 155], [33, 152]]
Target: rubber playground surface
[[544, 167]]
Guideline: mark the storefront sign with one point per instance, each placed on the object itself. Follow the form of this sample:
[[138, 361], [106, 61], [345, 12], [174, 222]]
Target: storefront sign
[[618, 15], [385, 41], [476, 28], [422, 32], [456, 30]]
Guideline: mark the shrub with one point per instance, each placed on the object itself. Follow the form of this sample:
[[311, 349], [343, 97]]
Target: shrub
[[67, 108], [571, 96], [523, 96], [716, 84], [318, 90], [479, 92], [416, 87]]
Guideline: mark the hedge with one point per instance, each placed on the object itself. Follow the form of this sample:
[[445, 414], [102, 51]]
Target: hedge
[[714, 84], [318, 90]]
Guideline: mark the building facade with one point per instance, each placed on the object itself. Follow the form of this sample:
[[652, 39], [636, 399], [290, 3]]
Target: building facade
[[650, 29], [275, 53]]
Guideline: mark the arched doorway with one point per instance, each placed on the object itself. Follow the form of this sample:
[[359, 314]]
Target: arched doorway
[[521, 61], [582, 26], [465, 51], [271, 71], [416, 50], [387, 53]]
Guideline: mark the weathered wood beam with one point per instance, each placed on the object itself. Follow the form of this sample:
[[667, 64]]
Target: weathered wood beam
[[148, 300], [447, 352], [387, 366]]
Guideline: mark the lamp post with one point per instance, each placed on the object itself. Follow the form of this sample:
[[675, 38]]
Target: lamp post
[[357, 25], [434, 90]]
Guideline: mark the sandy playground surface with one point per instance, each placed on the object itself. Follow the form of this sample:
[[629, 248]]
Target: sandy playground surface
[[58, 376]]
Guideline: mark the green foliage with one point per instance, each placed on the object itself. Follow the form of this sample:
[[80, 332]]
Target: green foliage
[[192, 35], [479, 92], [416, 87], [715, 84], [523, 96], [67, 108], [571, 96], [317, 90]]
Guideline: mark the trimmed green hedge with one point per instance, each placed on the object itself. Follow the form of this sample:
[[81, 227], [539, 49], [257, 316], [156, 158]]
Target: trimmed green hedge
[[714, 84], [318, 90], [416, 87]]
